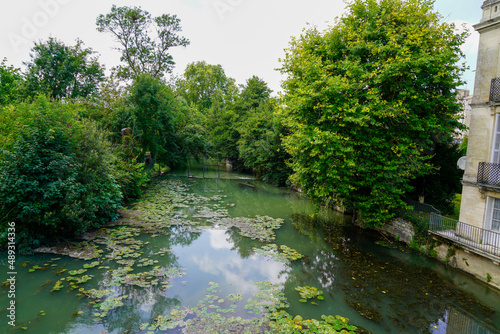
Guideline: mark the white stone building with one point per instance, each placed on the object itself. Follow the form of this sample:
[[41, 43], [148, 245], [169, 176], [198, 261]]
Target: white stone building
[[481, 183]]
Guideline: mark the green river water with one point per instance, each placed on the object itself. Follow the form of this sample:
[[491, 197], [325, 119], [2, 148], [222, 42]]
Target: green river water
[[383, 290]]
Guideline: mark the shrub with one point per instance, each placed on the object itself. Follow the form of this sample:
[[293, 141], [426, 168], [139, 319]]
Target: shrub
[[56, 179]]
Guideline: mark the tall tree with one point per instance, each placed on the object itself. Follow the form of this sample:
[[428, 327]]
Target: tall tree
[[141, 52], [63, 71], [11, 83], [367, 98], [206, 86], [152, 111]]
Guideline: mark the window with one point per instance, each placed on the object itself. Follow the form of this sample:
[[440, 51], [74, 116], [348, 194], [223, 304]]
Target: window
[[495, 90], [495, 216], [492, 221]]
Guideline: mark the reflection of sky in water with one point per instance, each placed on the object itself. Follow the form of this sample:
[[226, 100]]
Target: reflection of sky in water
[[213, 258]]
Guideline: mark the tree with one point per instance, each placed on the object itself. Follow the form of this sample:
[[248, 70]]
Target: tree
[[260, 145], [152, 106], [205, 86], [367, 99], [62, 71], [55, 178], [142, 53], [11, 83]]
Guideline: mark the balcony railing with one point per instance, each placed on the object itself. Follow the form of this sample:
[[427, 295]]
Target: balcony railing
[[474, 237], [489, 174]]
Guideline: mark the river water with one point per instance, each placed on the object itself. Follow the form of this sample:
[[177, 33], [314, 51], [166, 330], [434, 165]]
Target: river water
[[382, 289]]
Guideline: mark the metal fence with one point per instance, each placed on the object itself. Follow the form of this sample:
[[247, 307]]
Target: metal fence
[[465, 234], [488, 173], [422, 207]]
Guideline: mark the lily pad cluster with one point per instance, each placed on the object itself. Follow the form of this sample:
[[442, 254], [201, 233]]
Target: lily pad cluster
[[165, 203], [283, 254], [120, 255], [260, 228], [309, 292], [214, 314]]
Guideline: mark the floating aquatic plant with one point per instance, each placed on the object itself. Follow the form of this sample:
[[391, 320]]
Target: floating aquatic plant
[[272, 251], [91, 265], [58, 286], [77, 272], [308, 292]]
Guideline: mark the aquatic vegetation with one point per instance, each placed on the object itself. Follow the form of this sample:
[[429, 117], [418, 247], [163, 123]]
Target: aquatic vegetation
[[308, 292], [209, 316], [272, 251], [77, 272], [283, 322], [34, 268], [260, 228], [58, 286], [91, 265], [109, 304]]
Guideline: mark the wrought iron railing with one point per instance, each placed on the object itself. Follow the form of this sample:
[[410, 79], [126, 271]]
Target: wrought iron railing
[[495, 90], [422, 207], [488, 173], [465, 234]]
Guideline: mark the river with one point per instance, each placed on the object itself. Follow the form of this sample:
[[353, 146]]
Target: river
[[196, 247]]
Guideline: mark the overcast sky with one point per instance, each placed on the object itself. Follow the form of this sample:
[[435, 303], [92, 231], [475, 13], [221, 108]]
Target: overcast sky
[[246, 37]]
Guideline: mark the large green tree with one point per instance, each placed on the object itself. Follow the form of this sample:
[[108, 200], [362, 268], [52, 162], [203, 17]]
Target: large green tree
[[260, 144], [144, 41], [63, 71], [11, 83], [207, 88], [152, 104], [367, 99]]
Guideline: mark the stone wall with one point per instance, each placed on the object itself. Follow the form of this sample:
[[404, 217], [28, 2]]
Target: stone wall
[[484, 268], [399, 228]]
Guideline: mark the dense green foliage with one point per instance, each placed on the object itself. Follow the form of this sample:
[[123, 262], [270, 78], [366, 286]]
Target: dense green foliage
[[240, 124], [11, 83], [56, 178], [366, 118], [62, 71], [367, 99]]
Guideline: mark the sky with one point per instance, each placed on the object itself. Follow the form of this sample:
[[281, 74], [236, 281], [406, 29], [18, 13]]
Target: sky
[[246, 37]]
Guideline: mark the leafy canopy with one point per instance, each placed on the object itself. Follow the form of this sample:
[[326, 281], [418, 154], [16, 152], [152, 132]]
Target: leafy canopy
[[366, 100], [11, 83], [143, 53], [62, 71]]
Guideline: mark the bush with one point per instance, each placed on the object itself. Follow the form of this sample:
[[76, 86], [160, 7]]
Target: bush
[[56, 179]]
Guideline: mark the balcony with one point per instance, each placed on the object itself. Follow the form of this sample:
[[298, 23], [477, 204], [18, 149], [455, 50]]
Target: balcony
[[488, 175], [478, 240]]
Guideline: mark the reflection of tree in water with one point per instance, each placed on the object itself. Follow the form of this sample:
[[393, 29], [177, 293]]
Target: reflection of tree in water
[[130, 316], [146, 303], [181, 235], [387, 291]]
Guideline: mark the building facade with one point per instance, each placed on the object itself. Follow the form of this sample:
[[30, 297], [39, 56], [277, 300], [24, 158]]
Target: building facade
[[465, 99], [481, 183]]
